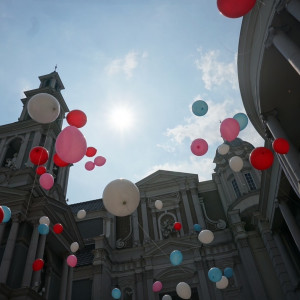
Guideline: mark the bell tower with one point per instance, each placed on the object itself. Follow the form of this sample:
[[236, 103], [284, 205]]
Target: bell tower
[[238, 190], [17, 139]]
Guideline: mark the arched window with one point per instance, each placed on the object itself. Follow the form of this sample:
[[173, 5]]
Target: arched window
[[11, 155]]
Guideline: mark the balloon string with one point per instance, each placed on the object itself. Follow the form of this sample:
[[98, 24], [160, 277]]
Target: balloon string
[[159, 248], [35, 176]]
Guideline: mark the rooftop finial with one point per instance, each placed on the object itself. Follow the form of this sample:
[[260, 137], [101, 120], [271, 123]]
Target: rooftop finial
[[55, 68]]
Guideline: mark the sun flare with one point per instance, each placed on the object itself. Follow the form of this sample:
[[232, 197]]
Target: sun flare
[[122, 118]]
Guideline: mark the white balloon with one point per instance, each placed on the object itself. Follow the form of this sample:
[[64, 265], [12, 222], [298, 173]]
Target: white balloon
[[121, 197], [81, 214], [183, 290], [43, 108], [206, 236], [223, 149], [223, 283], [158, 204], [74, 247], [166, 297], [44, 220], [236, 163]]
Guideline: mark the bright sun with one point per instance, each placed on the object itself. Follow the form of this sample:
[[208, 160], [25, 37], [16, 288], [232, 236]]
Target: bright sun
[[122, 118]]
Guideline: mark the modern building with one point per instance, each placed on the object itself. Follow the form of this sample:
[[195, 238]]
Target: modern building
[[254, 215]]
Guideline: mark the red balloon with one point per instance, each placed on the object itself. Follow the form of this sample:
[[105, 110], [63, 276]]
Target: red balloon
[[37, 264], [281, 146], [76, 118], [235, 8], [41, 170], [58, 228], [90, 151], [177, 226], [1, 214], [261, 158], [38, 155], [58, 161]]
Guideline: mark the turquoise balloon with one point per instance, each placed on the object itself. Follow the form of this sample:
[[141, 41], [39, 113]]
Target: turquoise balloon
[[7, 213], [199, 108], [215, 274], [43, 229], [242, 120], [197, 227], [228, 272], [176, 258], [116, 293]]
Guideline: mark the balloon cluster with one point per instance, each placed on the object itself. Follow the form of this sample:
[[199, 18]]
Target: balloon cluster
[[215, 275]]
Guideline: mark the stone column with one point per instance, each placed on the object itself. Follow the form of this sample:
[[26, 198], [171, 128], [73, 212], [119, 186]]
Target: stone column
[[291, 223], [277, 261], [178, 215], [2, 229], [202, 276], [293, 7], [48, 281], [39, 254], [69, 285], [30, 256], [139, 286], [149, 276], [22, 151], [288, 49], [187, 210], [64, 281], [199, 213], [145, 221], [240, 235], [136, 236], [96, 287], [9, 249], [154, 220]]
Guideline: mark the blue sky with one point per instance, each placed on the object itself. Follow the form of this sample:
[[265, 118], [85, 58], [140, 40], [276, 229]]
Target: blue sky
[[153, 57]]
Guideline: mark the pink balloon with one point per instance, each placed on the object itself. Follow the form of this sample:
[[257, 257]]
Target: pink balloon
[[230, 129], [71, 145], [100, 161], [89, 166], [72, 260], [46, 181], [157, 286], [199, 147]]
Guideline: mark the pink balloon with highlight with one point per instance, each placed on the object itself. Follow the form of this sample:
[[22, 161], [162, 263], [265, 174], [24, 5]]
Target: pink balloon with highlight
[[199, 147], [89, 166], [230, 129], [157, 286], [72, 260], [71, 145], [100, 161], [46, 181]]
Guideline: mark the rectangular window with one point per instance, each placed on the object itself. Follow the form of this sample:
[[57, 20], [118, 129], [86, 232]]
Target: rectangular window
[[250, 181], [236, 188]]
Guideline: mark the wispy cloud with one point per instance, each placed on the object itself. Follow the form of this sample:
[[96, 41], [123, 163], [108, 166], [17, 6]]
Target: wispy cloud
[[125, 65], [216, 72]]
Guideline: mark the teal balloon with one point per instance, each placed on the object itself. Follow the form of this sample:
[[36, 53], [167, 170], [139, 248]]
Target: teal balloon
[[43, 229], [242, 120], [176, 258], [199, 108], [228, 272], [215, 274], [7, 213], [116, 293], [197, 227]]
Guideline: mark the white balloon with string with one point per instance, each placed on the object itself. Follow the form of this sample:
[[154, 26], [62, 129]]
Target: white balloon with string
[[183, 290], [158, 204], [74, 247], [166, 297], [81, 214], [236, 164], [43, 108], [121, 197], [222, 284], [44, 220], [206, 236], [223, 149]]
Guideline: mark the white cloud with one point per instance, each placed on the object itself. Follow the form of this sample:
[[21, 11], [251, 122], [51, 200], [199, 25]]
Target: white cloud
[[125, 65], [196, 165], [167, 148], [215, 72]]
